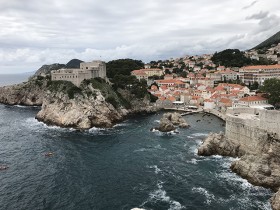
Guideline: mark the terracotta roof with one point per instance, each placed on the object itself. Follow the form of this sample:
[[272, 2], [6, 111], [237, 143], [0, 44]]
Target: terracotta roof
[[150, 70], [154, 87], [219, 88], [139, 73], [277, 66], [208, 100], [225, 101], [171, 98], [252, 98]]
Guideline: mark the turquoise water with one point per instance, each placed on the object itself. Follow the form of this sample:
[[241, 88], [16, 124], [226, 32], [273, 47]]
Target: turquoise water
[[120, 168]]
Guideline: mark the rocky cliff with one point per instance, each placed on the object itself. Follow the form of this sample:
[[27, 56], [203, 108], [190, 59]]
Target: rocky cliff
[[66, 105], [93, 104], [249, 137], [29, 93]]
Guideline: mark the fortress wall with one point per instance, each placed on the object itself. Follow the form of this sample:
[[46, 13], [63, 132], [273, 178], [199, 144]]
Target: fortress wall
[[245, 132], [270, 121]]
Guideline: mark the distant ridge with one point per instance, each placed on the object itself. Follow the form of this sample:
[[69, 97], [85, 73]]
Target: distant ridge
[[74, 64], [275, 39]]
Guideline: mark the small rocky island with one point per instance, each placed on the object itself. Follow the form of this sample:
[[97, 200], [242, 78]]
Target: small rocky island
[[170, 121]]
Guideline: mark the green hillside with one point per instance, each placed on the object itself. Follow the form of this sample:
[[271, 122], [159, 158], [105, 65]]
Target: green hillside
[[275, 39]]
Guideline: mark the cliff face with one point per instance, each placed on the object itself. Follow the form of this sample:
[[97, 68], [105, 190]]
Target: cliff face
[[253, 136], [93, 104], [87, 107], [29, 93], [81, 112]]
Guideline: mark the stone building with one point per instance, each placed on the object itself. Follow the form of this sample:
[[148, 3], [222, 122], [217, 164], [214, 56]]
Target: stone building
[[87, 70]]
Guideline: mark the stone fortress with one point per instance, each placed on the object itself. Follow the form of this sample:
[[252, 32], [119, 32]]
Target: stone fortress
[[87, 70]]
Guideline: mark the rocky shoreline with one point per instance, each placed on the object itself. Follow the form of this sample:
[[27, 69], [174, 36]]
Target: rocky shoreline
[[260, 166], [66, 105]]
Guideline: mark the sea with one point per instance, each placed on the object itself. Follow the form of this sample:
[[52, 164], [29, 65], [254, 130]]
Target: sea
[[124, 167], [10, 79]]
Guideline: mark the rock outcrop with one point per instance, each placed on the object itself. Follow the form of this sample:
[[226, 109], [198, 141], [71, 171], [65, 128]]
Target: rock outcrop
[[81, 112], [30, 93], [170, 121], [257, 149], [85, 107]]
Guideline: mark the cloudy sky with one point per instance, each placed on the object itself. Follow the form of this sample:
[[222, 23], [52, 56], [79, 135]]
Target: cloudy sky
[[36, 32]]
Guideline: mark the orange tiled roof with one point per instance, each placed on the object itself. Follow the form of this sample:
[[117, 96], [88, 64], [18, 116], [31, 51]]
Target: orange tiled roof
[[277, 66], [252, 98]]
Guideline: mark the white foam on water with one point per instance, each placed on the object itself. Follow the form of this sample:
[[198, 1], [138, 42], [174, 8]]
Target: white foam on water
[[34, 123], [157, 147], [160, 195], [159, 133], [233, 178], [121, 125], [209, 197], [95, 130], [157, 169], [157, 121], [137, 209], [193, 161], [190, 137], [199, 134]]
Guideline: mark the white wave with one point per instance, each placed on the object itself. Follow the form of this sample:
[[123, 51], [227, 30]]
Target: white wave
[[160, 195], [193, 161], [233, 178], [199, 134], [159, 133], [95, 130], [157, 121], [157, 169], [121, 125], [209, 197], [35, 124], [137, 209], [157, 147], [190, 137]]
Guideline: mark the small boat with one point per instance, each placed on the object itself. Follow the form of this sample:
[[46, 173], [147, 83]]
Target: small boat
[[3, 167], [48, 154]]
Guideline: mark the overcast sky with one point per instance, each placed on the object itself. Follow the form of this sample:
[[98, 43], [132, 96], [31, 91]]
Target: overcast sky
[[37, 32]]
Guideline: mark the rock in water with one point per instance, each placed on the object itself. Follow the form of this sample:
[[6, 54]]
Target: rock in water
[[169, 121]]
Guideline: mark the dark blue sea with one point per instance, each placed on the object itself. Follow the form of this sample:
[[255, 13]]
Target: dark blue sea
[[120, 168]]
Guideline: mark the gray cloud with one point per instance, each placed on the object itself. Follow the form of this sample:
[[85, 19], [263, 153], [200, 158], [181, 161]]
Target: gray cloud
[[258, 16], [251, 5], [37, 32]]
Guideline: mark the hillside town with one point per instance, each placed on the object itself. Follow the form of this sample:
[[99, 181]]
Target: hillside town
[[195, 81]]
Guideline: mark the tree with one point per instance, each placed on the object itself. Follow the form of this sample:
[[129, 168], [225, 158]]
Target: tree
[[122, 66], [255, 86], [272, 88]]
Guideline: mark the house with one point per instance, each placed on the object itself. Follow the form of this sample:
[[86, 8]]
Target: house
[[209, 104], [251, 74], [251, 101]]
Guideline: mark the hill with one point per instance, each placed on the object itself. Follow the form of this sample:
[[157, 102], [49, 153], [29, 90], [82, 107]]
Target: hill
[[74, 64], [275, 39]]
